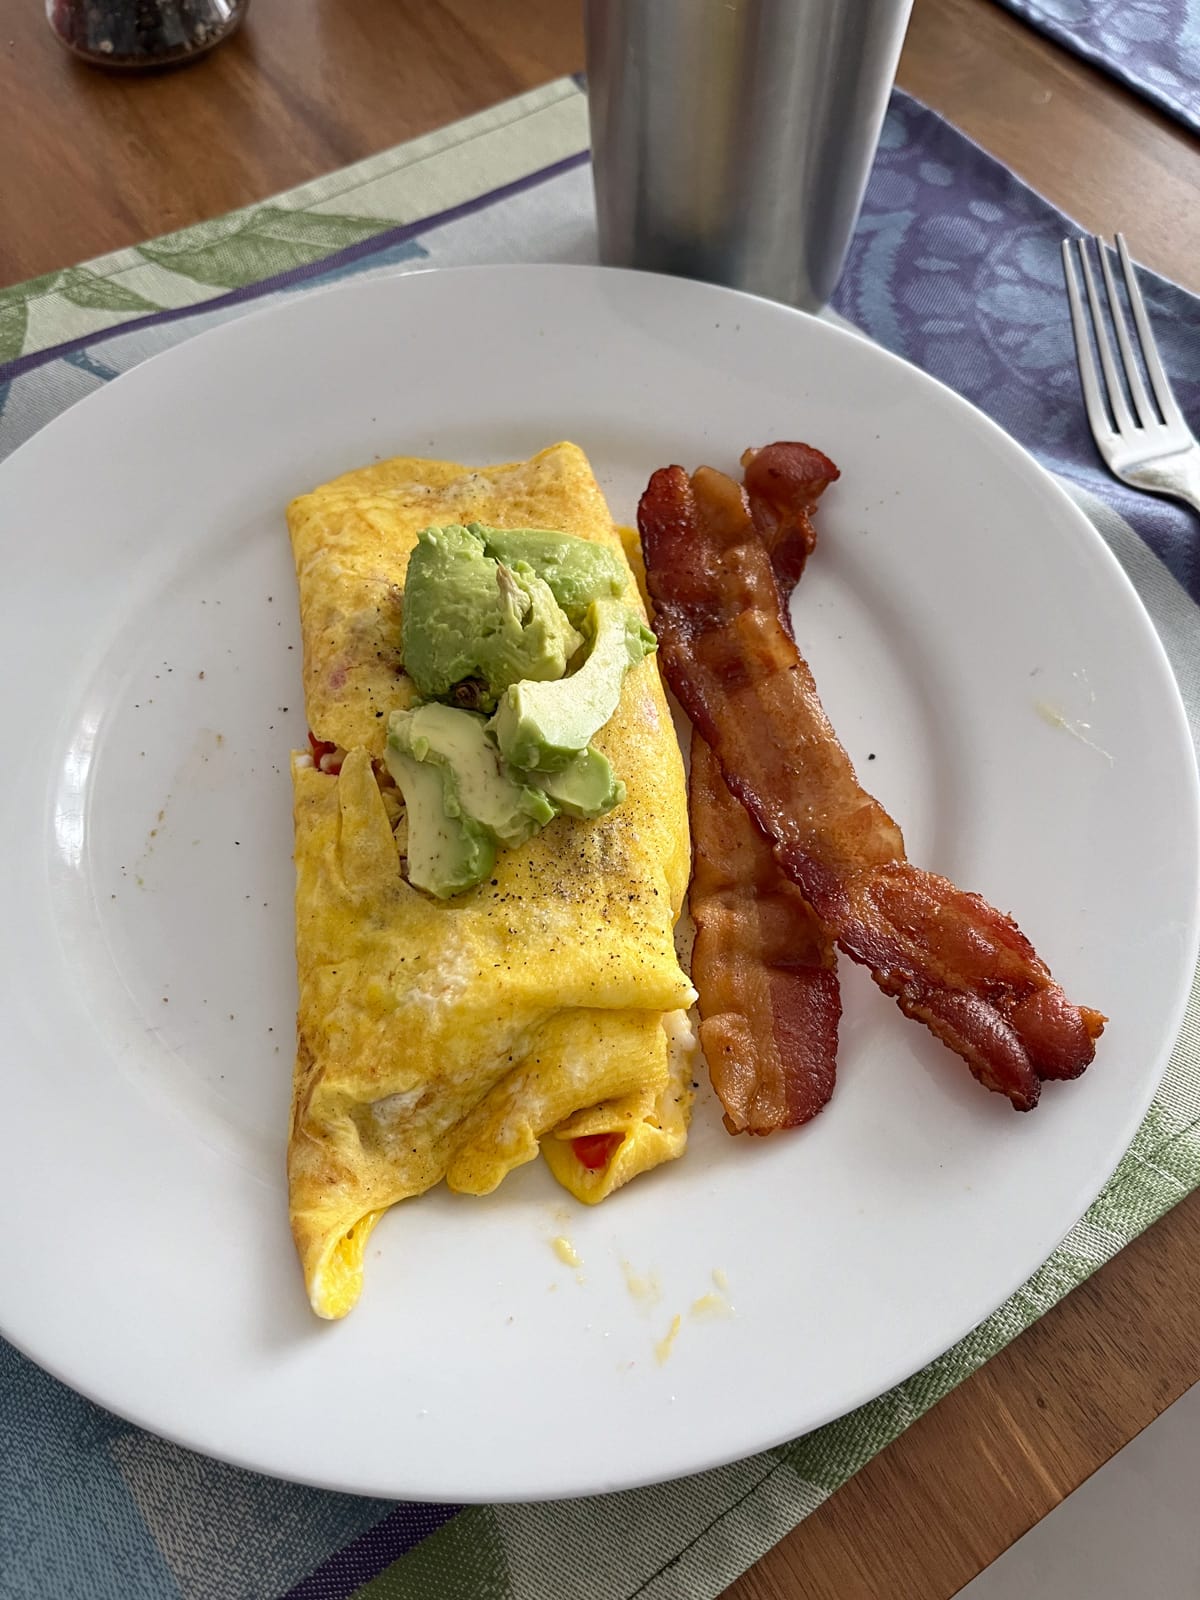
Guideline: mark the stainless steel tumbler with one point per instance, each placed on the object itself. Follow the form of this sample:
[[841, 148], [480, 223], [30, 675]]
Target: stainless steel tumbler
[[732, 139]]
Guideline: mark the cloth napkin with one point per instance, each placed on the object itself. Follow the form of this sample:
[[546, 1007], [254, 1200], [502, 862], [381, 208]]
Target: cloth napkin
[[1152, 45], [955, 265]]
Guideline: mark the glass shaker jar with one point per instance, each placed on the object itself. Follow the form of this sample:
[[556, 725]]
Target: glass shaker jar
[[143, 33]]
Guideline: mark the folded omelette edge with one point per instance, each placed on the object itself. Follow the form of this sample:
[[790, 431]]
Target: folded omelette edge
[[454, 1038]]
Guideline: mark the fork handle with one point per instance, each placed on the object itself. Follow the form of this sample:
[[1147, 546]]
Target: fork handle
[[1189, 489], [1177, 476]]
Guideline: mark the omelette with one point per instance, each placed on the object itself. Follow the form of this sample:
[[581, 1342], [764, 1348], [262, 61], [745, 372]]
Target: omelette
[[543, 1010]]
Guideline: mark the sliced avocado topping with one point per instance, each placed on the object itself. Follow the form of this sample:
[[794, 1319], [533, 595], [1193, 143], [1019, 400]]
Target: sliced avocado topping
[[448, 852], [484, 789], [450, 585], [586, 787], [533, 638], [491, 621], [467, 615], [578, 571], [544, 726]]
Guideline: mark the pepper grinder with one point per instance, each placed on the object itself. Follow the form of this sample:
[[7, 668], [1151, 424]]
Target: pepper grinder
[[143, 33]]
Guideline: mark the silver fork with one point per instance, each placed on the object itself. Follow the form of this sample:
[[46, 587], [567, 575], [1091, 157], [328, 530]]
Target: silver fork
[[1156, 450]]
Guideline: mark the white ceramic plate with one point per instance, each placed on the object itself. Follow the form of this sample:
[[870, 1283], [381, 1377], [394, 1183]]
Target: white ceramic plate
[[151, 663]]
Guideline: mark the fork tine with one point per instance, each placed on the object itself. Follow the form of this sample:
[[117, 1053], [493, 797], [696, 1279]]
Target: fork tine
[[1158, 378], [1101, 425], [1147, 415], [1116, 394]]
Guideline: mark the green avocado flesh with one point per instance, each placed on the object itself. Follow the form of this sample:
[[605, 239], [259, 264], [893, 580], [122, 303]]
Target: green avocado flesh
[[586, 787], [468, 616], [483, 787], [447, 852], [578, 571], [492, 620], [544, 726]]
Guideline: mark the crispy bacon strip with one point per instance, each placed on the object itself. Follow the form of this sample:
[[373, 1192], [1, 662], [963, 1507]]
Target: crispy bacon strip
[[783, 483], [763, 964], [950, 960]]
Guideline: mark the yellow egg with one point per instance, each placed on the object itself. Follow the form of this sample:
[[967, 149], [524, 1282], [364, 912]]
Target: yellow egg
[[453, 1039]]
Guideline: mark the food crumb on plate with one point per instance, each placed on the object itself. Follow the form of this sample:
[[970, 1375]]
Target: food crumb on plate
[[709, 1306], [566, 1251], [645, 1289], [662, 1350]]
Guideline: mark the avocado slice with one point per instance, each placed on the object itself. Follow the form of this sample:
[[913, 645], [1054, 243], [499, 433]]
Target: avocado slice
[[449, 585], [586, 787], [529, 637], [578, 571], [543, 726], [447, 851], [483, 789], [469, 616]]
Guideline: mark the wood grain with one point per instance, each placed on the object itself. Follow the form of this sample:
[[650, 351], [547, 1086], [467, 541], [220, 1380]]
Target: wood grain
[[1098, 151], [1005, 1447], [92, 162]]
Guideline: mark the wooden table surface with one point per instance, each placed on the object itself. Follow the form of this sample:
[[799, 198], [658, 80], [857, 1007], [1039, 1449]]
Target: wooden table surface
[[92, 162]]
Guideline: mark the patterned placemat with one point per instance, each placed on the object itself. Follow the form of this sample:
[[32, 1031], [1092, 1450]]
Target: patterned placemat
[[955, 265], [1152, 45]]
